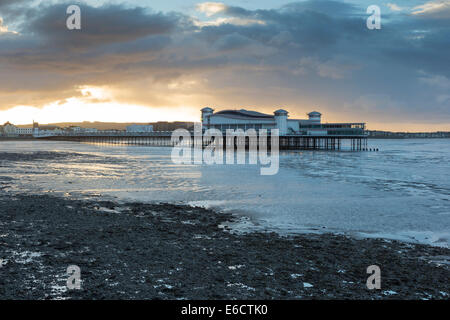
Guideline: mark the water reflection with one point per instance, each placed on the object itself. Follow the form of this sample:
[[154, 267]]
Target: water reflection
[[400, 192]]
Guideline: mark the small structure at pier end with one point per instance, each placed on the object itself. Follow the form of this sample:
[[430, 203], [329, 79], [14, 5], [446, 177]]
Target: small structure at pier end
[[308, 133]]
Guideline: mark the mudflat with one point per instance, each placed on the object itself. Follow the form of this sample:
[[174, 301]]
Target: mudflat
[[166, 251]]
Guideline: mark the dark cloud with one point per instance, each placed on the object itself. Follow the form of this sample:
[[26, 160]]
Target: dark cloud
[[232, 42], [5, 3], [104, 25]]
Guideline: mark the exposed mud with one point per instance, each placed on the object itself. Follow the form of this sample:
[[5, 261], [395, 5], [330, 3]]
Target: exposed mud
[[165, 251]]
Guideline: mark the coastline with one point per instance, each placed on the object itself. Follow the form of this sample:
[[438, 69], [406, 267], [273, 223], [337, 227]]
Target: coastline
[[5, 138], [166, 251], [2, 138]]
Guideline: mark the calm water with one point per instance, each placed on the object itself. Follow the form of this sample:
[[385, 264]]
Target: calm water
[[400, 192]]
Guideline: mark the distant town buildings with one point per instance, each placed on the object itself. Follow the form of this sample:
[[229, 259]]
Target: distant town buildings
[[376, 134], [10, 130], [37, 130], [76, 129], [46, 130], [139, 128], [171, 126]]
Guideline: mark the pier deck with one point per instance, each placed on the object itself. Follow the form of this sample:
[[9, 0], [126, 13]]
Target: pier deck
[[287, 142]]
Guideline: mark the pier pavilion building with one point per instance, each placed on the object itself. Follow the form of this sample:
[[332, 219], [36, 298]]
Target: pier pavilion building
[[245, 119]]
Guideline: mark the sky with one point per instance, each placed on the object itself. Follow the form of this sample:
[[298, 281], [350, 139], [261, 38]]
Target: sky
[[145, 61]]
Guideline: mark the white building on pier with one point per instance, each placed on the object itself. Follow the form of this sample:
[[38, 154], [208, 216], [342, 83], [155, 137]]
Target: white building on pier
[[245, 119]]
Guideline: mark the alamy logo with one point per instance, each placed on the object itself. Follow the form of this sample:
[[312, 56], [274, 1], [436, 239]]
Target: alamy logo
[[374, 281], [74, 280], [374, 21], [73, 22], [208, 147]]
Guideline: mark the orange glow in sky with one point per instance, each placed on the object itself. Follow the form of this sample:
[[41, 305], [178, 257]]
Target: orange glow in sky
[[98, 104], [79, 109]]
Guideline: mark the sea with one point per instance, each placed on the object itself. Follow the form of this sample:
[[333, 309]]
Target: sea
[[401, 192]]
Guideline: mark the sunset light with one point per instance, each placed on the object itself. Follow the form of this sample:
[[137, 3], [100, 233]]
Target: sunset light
[[96, 104]]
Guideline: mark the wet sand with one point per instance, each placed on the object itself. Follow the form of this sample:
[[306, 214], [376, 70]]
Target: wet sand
[[165, 251]]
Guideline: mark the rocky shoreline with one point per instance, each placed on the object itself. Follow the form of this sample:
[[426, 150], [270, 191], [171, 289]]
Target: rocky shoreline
[[166, 251]]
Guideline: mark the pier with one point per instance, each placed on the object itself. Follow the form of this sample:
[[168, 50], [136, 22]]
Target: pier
[[164, 139]]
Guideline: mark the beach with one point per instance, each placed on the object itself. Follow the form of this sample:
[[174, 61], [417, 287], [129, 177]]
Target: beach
[[165, 251]]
